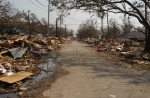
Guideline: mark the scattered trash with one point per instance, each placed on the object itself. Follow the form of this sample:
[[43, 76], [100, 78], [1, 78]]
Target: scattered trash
[[20, 58], [129, 51], [23, 88], [98, 49], [10, 70], [2, 69]]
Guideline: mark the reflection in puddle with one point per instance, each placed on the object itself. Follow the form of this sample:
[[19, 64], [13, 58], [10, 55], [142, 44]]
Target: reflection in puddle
[[47, 69]]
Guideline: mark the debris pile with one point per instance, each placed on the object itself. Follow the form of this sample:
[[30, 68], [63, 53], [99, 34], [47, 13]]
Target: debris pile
[[21, 55], [129, 51]]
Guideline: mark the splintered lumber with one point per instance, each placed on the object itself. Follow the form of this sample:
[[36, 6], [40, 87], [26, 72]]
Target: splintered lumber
[[1, 56], [2, 53], [16, 77], [22, 38]]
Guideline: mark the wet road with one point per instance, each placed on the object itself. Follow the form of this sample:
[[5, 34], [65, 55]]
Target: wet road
[[92, 75]]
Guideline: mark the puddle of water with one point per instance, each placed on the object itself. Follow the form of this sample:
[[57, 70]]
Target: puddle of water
[[48, 68], [9, 95]]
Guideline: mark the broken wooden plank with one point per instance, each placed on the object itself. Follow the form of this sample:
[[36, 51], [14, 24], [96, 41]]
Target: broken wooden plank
[[16, 77], [3, 52], [22, 38], [4, 62], [1, 57]]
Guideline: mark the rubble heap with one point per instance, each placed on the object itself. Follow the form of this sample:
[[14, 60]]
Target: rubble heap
[[129, 51], [20, 56]]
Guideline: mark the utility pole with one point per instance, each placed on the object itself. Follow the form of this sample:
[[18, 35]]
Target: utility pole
[[146, 35], [60, 23], [29, 22], [107, 24], [48, 31], [102, 23], [65, 31], [56, 27]]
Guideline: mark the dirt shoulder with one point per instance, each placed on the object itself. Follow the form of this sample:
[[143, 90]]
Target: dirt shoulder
[[91, 75]]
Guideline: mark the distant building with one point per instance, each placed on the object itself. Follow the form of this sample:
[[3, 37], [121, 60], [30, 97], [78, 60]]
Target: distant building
[[133, 35]]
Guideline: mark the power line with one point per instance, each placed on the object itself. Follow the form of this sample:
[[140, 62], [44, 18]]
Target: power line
[[36, 5], [48, 16], [47, 6], [41, 3], [74, 19], [68, 24], [72, 24], [43, 6]]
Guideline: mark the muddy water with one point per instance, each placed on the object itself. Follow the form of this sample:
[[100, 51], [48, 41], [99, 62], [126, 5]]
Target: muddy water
[[47, 69]]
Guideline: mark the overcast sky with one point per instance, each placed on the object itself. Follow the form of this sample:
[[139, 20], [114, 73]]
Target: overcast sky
[[39, 7]]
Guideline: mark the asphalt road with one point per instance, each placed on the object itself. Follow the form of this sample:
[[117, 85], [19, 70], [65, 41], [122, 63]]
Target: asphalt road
[[95, 75]]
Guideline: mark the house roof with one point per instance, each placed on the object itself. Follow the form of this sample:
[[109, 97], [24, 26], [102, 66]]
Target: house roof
[[134, 34]]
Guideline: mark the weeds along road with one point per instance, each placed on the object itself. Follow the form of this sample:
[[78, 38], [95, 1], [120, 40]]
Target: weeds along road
[[92, 75]]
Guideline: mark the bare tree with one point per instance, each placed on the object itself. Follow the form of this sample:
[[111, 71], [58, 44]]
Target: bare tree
[[88, 29], [131, 8], [114, 28], [126, 27], [20, 21]]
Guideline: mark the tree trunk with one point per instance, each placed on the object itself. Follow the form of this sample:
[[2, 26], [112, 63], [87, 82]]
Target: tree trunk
[[147, 42]]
